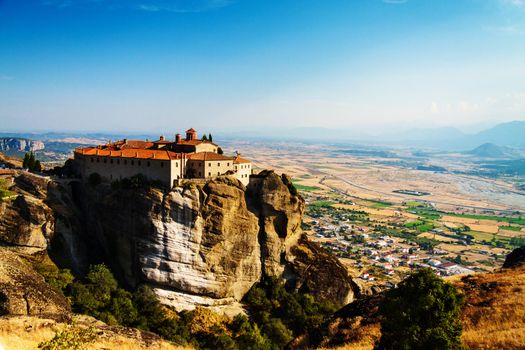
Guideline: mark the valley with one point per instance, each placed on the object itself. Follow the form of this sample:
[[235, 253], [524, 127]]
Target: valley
[[384, 218]]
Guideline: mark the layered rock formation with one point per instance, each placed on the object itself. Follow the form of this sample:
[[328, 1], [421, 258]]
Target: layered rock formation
[[24, 292], [202, 243], [21, 145]]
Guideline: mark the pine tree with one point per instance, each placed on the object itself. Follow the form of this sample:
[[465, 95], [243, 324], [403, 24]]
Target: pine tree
[[210, 138], [204, 137], [25, 163]]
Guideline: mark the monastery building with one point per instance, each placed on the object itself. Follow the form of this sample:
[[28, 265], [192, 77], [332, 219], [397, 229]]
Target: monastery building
[[161, 160]]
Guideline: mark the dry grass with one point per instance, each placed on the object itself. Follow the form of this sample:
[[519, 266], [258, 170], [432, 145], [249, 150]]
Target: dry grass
[[494, 316], [23, 332]]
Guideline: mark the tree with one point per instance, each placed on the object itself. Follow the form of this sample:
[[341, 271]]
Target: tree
[[204, 137], [220, 151], [422, 313], [210, 137], [31, 163]]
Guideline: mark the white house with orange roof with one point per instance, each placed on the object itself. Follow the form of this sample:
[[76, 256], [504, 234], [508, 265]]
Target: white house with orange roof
[[161, 160]]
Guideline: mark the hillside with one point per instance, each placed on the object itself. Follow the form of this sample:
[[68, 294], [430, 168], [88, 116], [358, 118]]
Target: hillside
[[490, 150], [20, 145], [493, 316]]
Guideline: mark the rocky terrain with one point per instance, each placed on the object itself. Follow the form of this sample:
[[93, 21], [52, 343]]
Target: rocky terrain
[[20, 145], [492, 317], [203, 243]]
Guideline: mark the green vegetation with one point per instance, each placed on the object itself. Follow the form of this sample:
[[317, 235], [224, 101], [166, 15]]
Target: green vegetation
[[71, 337], [4, 192], [282, 315], [422, 313], [322, 204], [511, 228], [31, 163], [436, 214], [517, 241], [275, 315], [420, 225], [414, 204], [306, 188], [380, 204]]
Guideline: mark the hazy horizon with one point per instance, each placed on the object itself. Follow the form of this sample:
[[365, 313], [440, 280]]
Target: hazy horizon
[[152, 66]]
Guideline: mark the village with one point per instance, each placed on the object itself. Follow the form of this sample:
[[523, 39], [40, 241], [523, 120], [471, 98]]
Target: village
[[381, 244]]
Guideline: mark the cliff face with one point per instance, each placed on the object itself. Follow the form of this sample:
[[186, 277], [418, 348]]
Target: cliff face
[[22, 145], [208, 242], [203, 243]]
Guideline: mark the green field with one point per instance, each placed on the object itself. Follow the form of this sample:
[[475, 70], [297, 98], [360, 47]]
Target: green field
[[306, 188], [519, 221], [511, 228], [413, 204], [321, 204], [380, 204], [436, 214], [420, 225]]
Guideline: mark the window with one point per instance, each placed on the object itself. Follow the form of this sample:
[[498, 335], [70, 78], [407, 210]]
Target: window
[[98, 160], [125, 161], [227, 164], [199, 173], [118, 161], [161, 164], [105, 160], [149, 163], [218, 164], [218, 173], [132, 162], [139, 163], [111, 161], [209, 174], [209, 164], [92, 160], [176, 164]]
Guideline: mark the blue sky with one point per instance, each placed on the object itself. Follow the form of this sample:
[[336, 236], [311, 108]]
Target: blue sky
[[152, 65]]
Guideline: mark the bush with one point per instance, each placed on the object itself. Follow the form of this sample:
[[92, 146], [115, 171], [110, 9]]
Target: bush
[[422, 313], [71, 337], [280, 314], [59, 279]]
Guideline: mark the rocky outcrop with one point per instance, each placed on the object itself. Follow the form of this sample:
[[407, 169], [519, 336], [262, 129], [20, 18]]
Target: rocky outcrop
[[209, 242], [515, 258], [24, 292], [25, 220], [21, 145], [201, 243]]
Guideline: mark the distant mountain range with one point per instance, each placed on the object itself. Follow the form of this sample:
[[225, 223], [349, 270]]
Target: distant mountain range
[[490, 150], [511, 134]]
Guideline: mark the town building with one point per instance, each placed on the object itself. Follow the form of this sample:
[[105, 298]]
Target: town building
[[162, 160]]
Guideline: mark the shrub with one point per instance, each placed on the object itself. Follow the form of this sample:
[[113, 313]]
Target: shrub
[[422, 313], [71, 337]]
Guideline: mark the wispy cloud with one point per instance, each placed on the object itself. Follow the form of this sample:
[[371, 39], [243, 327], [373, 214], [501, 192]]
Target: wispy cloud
[[180, 6]]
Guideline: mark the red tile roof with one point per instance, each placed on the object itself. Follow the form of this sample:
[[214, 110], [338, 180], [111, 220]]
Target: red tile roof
[[129, 153], [194, 142], [191, 130], [127, 144], [208, 156], [238, 160]]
